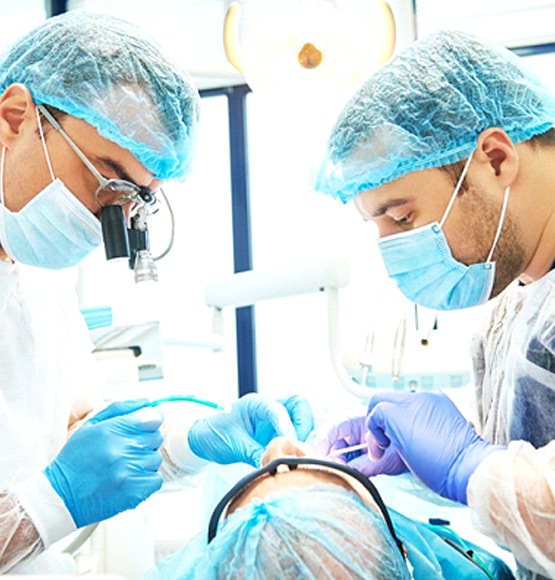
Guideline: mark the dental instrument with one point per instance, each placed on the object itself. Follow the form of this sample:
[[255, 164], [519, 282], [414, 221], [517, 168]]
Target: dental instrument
[[338, 452]]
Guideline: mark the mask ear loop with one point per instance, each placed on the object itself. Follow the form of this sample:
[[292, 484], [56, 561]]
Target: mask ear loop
[[43, 141], [457, 188], [500, 224]]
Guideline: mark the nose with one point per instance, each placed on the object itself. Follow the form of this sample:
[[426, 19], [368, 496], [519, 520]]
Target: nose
[[283, 447]]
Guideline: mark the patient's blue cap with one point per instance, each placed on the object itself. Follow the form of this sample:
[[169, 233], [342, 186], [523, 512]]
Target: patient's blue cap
[[426, 107], [321, 531], [109, 73]]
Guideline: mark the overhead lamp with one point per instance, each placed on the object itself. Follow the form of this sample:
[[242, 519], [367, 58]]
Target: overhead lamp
[[310, 42]]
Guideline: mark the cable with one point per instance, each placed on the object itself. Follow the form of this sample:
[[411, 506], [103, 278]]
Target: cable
[[458, 543], [188, 398], [172, 236]]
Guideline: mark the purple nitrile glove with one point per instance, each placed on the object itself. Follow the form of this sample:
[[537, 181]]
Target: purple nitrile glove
[[431, 437], [353, 431]]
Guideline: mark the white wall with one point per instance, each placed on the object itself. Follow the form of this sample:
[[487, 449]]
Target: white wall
[[510, 22]]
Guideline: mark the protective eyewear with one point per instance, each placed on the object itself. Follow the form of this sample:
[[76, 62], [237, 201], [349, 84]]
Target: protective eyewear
[[109, 191], [293, 463]]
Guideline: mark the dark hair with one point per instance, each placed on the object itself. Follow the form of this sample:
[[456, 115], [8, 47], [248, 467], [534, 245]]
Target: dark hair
[[58, 114], [546, 139], [455, 170]]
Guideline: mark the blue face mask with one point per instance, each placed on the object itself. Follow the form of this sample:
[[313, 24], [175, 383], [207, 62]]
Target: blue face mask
[[54, 230], [421, 263]]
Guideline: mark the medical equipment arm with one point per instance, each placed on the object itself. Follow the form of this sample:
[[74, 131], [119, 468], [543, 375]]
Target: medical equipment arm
[[512, 498], [110, 464], [241, 435], [432, 438]]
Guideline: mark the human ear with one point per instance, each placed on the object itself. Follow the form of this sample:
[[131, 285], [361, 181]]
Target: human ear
[[16, 106], [496, 150]]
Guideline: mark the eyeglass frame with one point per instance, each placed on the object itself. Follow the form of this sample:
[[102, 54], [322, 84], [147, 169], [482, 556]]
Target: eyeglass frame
[[140, 196], [293, 463]]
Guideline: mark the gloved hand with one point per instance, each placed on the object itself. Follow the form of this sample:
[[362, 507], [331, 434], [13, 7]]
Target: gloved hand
[[242, 434], [432, 438], [300, 413], [110, 464], [353, 431]]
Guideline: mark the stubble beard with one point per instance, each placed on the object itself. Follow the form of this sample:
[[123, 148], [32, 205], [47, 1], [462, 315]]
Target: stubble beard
[[509, 254]]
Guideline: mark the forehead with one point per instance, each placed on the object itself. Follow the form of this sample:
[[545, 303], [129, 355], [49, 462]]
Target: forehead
[[303, 476], [285, 479], [417, 188], [98, 148]]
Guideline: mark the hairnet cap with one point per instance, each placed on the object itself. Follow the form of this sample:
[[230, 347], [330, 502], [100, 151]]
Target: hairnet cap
[[109, 73], [321, 531], [426, 107]]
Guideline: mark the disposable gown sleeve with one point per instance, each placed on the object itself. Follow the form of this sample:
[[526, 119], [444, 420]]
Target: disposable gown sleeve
[[512, 498], [19, 539], [32, 518], [180, 463]]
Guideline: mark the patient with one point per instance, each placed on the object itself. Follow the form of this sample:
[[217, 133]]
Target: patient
[[298, 517], [294, 518]]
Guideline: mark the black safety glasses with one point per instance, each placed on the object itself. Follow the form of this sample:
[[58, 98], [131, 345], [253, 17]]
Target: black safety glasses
[[303, 463]]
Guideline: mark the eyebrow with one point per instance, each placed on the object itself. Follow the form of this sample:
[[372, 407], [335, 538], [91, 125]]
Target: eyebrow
[[117, 168], [383, 209]]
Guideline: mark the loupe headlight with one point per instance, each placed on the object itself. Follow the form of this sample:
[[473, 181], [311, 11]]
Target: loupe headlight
[[132, 243]]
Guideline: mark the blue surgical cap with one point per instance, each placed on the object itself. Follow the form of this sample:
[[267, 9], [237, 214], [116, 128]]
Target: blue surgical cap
[[426, 107], [109, 73], [317, 532]]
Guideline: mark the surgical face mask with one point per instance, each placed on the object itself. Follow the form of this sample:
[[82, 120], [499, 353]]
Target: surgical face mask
[[54, 230], [421, 263]]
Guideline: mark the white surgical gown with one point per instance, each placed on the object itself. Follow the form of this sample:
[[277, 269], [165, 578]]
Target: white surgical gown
[[512, 494], [47, 380]]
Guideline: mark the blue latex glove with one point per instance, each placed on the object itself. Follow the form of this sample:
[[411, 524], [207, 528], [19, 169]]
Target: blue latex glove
[[110, 464], [353, 431], [243, 434], [300, 414], [431, 437]]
